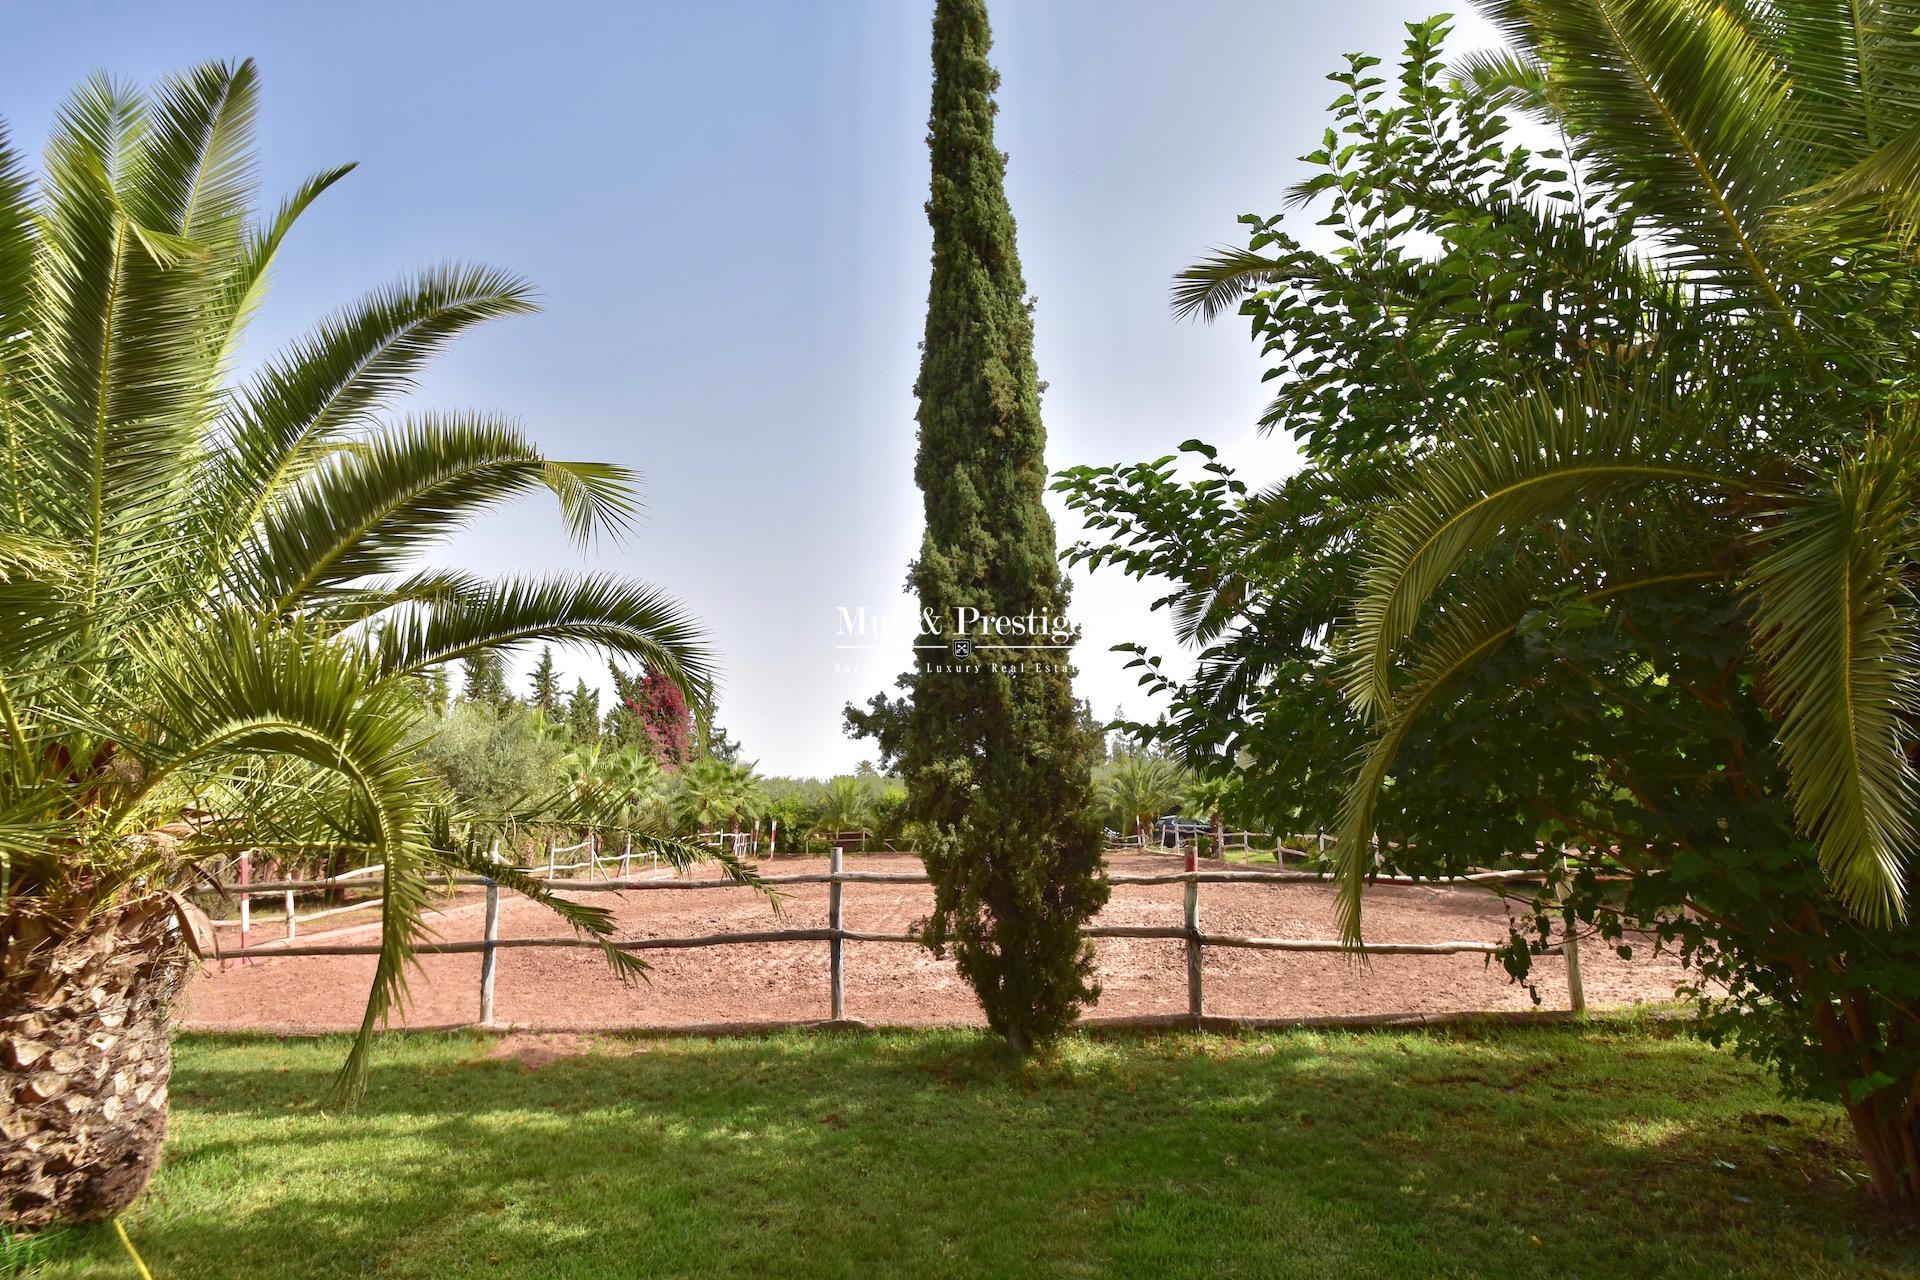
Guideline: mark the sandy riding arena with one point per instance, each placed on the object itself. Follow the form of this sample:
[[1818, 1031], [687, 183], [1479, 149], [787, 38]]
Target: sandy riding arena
[[551, 989]]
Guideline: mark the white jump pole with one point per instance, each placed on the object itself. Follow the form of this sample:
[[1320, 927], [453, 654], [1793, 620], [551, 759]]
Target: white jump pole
[[246, 901], [837, 922], [490, 934], [488, 959]]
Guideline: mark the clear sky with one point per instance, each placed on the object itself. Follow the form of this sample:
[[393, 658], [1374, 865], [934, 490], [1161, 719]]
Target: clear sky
[[721, 205]]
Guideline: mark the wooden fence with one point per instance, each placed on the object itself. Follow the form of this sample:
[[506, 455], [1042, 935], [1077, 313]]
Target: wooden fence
[[836, 935]]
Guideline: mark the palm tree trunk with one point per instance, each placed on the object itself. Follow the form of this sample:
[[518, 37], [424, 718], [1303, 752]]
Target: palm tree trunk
[[86, 1023], [1886, 1123], [1889, 1142], [1219, 834]]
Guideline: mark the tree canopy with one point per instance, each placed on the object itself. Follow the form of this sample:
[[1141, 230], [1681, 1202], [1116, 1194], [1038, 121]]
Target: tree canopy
[[1606, 527]]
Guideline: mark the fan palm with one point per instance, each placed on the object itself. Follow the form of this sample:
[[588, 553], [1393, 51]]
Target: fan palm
[[635, 786], [715, 793], [208, 596]]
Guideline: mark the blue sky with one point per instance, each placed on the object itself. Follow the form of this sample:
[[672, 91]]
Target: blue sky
[[720, 203]]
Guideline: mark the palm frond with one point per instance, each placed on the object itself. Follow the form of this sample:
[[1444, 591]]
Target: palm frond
[[1222, 279], [194, 172], [588, 920], [245, 286], [1469, 631], [294, 414], [1517, 461], [112, 341], [252, 688], [373, 507], [351, 606], [1506, 78], [1643, 85], [17, 245], [1854, 66], [615, 615], [1836, 635], [1889, 180], [1473, 629]]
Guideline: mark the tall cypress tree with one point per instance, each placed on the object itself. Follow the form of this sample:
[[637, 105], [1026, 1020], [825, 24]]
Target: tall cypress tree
[[993, 754], [487, 681], [546, 686]]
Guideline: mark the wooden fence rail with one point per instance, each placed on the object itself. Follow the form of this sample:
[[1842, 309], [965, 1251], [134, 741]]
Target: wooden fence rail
[[910, 877], [836, 935]]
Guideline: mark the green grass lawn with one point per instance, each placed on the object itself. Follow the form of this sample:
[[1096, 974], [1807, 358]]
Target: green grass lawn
[[1618, 1149]]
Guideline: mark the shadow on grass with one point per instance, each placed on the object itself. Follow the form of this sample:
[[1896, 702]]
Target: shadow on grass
[[1610, 1151]]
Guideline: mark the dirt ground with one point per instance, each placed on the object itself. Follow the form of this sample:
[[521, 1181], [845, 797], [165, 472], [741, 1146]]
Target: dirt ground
[[891, 984]]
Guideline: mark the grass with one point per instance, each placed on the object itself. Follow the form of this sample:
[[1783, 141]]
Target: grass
[[1615, 1149]]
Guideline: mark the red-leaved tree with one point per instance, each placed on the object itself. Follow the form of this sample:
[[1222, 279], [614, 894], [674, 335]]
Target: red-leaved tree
[[653, 714]]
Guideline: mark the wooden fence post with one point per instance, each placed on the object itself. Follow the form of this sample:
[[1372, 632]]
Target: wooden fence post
[[836, 920], [1195, 1001], [487, 955], [1570, 944]]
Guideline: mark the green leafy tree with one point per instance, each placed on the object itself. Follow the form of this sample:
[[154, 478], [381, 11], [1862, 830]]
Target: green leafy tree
[[208, 591], [991, 752], [1605, 538], [486, 682], [544, 686], [797, 816], [1092, 732], [887, 810], [720, 746], [492, 761], [583, 714], [439, 691]]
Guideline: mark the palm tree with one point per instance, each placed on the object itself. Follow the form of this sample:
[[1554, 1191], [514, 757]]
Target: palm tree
[[635, 784], [1764, 446], [581, 770], [843, 806], [208, 588], [1211, 796], [1141, 788], [714, 793], [614, 786]]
